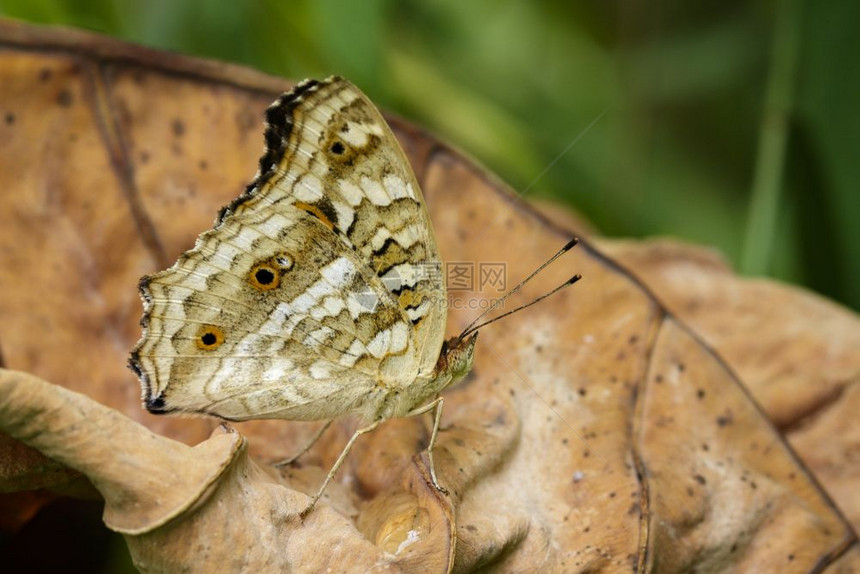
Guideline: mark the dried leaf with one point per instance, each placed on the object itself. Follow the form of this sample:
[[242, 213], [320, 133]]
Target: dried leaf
[[172, 500], [796, 352]]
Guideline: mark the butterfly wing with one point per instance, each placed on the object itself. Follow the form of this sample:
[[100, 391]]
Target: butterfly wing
[[267, 317], [330, 153], [310, 298]]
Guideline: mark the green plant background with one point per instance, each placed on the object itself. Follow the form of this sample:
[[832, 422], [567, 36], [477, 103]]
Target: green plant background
[[721, 122], [725, 123]]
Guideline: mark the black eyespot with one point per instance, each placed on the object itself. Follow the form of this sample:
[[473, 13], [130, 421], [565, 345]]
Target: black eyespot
[[337, 148], [264, 276], [209, 337]]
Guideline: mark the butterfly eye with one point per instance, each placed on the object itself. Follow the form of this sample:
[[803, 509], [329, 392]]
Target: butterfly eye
[[210, 338], [265, 276]]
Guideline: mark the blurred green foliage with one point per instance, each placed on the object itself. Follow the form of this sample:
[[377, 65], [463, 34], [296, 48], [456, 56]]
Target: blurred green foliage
[[728, 123]]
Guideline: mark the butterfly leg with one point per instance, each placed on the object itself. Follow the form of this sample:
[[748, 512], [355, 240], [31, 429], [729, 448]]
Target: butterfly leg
[[437, 417], [337, 464], [306, 448]]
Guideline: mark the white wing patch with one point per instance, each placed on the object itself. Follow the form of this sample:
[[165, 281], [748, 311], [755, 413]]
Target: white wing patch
[[399, 338], [345, 214], [397, 188], [321, 370], [378, 346], [277, 372], [351, 192], [339, 272], [309, 189], [374, 191], [405, 238]]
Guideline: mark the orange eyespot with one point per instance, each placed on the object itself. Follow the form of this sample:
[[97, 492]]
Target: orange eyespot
[[264, 276], [267, 274], [209, 338]]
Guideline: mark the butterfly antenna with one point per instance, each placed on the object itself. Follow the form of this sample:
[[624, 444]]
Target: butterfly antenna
[[470, 328]]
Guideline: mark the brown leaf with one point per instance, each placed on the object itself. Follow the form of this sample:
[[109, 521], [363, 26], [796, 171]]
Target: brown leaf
[[796, 352], [596, 433], [188, 508]]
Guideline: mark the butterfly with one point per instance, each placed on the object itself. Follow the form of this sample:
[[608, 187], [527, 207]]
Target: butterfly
[[318, 293]]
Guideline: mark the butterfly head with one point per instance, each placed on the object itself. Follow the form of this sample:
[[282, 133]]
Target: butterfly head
[[455, 359]]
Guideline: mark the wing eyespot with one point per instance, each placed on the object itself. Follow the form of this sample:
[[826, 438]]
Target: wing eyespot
[[340, 152], [209, 338], [266, 275]]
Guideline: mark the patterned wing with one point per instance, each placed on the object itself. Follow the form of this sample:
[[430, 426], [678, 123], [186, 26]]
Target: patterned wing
[[316, 291], [268, 317], [331, 154]]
